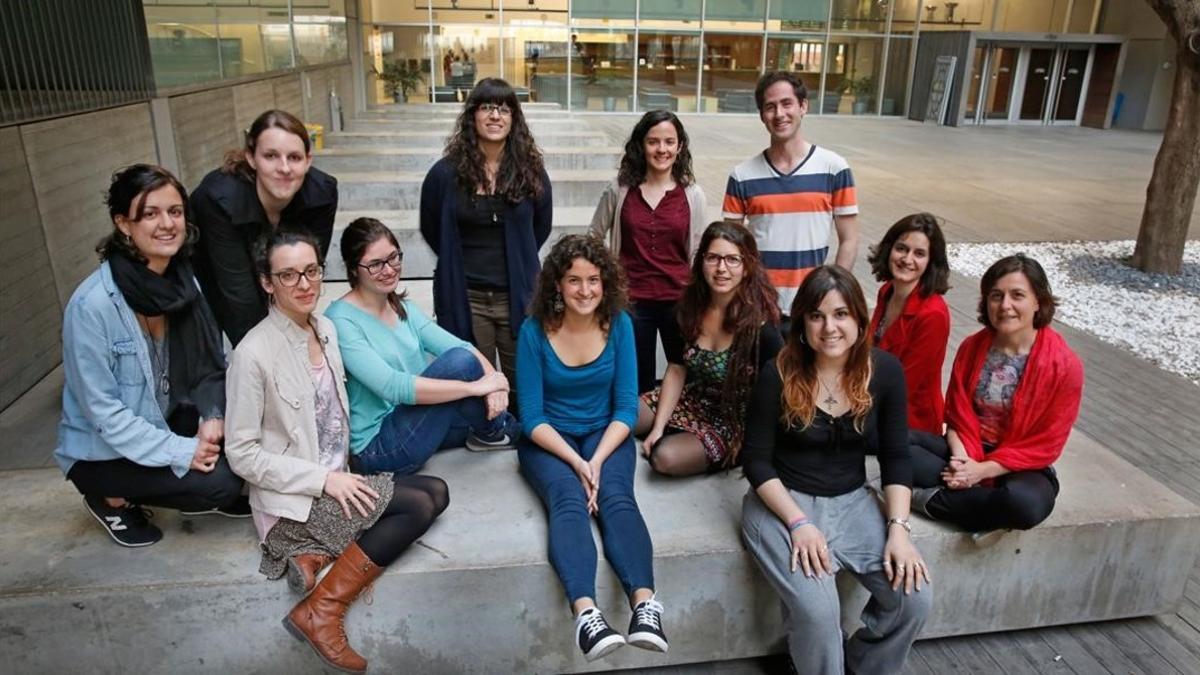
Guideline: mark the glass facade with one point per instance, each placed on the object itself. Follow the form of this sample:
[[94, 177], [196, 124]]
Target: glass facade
[[194, 41], [855, 56]]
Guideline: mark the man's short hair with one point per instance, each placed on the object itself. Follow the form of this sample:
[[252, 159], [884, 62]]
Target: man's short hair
[[771, 78]]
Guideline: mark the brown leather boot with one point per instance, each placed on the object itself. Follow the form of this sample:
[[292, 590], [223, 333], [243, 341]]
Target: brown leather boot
[[318, 618], [302, 571]]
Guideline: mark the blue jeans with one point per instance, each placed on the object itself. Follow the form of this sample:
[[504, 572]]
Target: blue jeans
[[410, 434], [572, 550]]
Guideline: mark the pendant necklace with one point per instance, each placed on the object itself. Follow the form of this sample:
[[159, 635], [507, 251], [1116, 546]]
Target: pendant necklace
[[829, 400], [159, 357]]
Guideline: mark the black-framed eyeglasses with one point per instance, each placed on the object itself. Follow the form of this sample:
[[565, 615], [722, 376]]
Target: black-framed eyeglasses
[[489, 108], [732, 261], [289, 278], [376, 266]]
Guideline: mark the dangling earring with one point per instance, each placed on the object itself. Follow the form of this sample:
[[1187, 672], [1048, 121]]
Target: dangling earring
[[557, 305]]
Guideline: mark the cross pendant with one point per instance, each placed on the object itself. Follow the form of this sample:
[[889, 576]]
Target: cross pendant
[[830, 401]]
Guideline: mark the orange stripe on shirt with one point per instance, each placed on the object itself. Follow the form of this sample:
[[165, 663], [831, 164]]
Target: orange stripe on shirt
[[732, 205], [845, 197], [796, 202], [787, 278]]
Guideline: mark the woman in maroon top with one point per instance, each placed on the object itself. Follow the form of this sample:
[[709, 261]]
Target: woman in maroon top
[[653, 216], [911, 320]]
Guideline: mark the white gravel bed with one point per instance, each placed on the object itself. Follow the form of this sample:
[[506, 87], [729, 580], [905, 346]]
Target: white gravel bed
[[1154, 316]]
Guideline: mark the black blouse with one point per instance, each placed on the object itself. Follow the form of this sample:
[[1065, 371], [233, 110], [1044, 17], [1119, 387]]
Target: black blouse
[[827, 458]]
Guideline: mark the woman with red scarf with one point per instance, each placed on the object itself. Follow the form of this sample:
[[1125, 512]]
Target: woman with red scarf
[[1014, 394]]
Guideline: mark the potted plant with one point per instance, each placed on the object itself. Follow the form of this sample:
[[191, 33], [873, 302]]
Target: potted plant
[[399, 79], [862, 88]]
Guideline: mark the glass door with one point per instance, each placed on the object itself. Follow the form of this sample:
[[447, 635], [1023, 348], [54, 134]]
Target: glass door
[[1072, 68], [1038, 84], [991, 87]]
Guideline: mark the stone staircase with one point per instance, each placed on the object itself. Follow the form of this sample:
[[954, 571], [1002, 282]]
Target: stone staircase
[[382, 157]]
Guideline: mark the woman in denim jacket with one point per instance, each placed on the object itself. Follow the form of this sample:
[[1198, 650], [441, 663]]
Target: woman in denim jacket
[[144, 395], [289, 437]]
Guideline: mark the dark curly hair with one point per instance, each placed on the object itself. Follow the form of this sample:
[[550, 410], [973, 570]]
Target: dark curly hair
[[633, 163], [936, 278], [1033, 271], [754, 303], [358, 235], [127, 194], [555, 266], [521, 165]]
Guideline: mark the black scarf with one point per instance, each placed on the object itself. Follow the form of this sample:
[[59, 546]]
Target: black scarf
[[196, 352]]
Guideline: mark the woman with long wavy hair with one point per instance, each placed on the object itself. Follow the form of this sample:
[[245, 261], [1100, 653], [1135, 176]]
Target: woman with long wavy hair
[[576, 380], [653, 215], [485, 211], [727, 327], [809, 420]]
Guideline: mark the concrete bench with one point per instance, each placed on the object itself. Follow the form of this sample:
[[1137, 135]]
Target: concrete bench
[[477, 594]]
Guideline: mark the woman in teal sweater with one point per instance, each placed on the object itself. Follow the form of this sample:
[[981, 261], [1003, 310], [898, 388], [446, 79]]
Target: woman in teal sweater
[[577, 381], [404, 408]]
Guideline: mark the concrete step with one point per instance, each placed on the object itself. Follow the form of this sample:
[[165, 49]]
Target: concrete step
[[339, 160], [437, 139], [382, 190], [477, 595], [419, 259], [537, 125]]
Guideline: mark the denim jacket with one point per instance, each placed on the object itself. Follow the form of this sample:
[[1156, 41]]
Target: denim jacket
[[109, 409]]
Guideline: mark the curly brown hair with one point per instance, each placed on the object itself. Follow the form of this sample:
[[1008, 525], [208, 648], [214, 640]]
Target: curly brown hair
[[797, 360], [127, 194], [521, 165], [633, 164], [566, 250]]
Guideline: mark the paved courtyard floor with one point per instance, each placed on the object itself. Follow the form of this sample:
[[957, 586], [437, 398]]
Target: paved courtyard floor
[[989, 184]]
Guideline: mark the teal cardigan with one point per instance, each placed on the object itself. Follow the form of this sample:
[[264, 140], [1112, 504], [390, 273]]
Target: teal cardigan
[[382, 363]]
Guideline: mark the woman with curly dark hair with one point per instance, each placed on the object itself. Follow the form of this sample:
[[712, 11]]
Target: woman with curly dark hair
[[809, 508], [576, 383], [727, 328], [485, 211], [653, 215], [911, 320]]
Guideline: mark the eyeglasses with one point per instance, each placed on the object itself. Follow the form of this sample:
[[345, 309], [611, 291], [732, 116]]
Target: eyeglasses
[[732, 261], [375, 267], [291, 278], [489, 108]]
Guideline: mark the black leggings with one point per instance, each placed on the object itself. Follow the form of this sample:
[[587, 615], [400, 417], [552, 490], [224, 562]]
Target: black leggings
[[1016, 501], [416, 502]]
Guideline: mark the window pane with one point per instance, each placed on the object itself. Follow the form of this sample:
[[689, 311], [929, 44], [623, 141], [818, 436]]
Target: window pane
[[667, 70], [677, 14], [852, 75], [614, 13], [731, 70], [865, 16], [320, 31], [799, 15], [536, 58], [800, 54], [895, 86], [183, 44], [961, 15], [735, 15], [407, 46], [465, 54], [602, 69], [254, 40]]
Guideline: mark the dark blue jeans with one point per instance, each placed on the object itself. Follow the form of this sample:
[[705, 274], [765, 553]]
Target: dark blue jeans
[[572, 550], [410, 434], [651, 318]]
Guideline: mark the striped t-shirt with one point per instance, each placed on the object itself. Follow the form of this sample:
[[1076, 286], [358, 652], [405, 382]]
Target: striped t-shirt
[[791, 215]]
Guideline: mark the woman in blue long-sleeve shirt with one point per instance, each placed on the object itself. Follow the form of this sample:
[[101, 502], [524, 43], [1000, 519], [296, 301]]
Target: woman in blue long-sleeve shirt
[[577, 384]]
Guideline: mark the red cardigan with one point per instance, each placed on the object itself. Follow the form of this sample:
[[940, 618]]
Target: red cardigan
[[918, 338], [1044, 407]]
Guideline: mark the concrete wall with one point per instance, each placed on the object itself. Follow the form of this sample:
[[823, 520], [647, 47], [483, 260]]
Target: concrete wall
[[53, 175], [1146, 80]]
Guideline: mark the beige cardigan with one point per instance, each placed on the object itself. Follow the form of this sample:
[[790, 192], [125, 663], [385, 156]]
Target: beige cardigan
[[607, 218], [270, 414]]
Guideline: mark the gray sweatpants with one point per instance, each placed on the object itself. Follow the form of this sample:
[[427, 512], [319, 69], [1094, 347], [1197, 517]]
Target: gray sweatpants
[[855, 530]]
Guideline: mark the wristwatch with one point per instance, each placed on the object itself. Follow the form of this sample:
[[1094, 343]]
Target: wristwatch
[[902, 523]]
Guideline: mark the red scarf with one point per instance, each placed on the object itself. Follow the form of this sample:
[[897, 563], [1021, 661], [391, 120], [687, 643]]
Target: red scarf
[[1044, 407]]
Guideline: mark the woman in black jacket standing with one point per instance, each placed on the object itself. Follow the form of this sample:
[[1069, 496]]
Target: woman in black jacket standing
[[485, 211], [267, 185]]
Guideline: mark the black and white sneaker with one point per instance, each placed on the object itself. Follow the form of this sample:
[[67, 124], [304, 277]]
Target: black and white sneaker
[[594, 636], [645, 626], [505, 438], [127, 525], [240, 508]]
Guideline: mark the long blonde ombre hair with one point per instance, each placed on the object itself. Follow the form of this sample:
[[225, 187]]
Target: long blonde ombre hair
[[797, 361]]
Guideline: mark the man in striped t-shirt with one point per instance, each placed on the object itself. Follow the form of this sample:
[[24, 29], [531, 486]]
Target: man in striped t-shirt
[[793, 192]]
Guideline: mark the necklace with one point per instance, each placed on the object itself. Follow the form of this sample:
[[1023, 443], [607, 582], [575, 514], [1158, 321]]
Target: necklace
[[158, 355], [830, 400]]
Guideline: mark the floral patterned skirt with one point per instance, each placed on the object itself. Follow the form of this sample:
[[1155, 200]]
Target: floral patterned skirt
[[693, 416]]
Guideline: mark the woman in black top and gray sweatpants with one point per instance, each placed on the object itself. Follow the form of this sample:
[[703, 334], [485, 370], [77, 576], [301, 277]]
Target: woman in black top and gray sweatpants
[[810, 513]]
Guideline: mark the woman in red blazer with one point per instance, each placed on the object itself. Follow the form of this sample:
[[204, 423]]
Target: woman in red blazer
[[1014, 394], [911, 320]]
